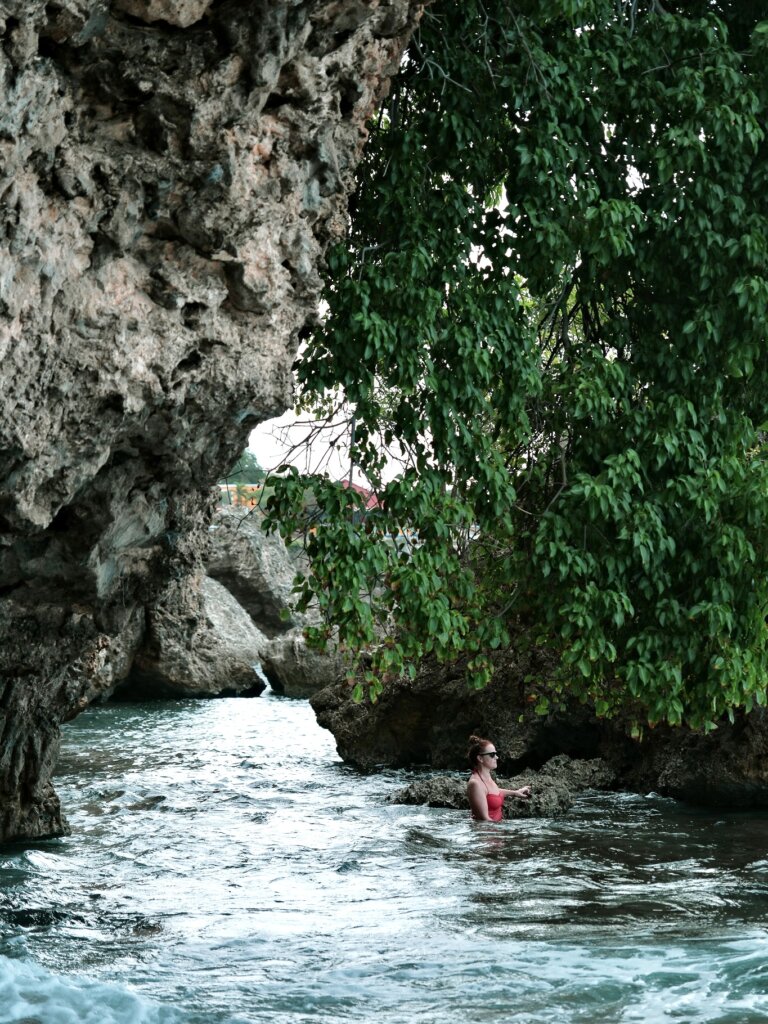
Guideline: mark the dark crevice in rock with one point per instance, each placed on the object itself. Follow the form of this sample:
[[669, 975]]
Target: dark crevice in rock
[[192, 313], [104, 250], [65, 520], [155, 197], [102, 178], [252, 691], [348, 97], [121, 457], [113, 405], [9, 588], [164, 126], [11, 28], [274, 101], [47, 47], [189, 362], [340, 38], [574, 736]]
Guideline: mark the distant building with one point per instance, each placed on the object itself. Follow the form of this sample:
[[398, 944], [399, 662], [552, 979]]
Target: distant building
[[240, 494], [369, 497]]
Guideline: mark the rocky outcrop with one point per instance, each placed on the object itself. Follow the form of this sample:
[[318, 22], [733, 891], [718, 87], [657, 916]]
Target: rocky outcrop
[[171, 172], [259, 571], [255, 567], [199, 642], [428, 721], [552, 788], [89, 664], [726, 768], [295, 669], [233, 631]]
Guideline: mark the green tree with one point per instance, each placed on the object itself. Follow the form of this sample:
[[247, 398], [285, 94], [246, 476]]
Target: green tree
[[246, 470], [556, 273]]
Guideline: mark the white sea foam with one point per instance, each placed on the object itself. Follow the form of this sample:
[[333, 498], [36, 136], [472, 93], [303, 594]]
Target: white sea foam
[[31, 995]]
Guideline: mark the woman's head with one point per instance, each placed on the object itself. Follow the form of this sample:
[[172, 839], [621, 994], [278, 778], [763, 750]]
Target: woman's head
[[480, 752]]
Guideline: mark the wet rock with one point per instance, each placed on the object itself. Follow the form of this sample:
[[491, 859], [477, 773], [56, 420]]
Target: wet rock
[[436, 791], [726, 768], [429, 720], [90, 664], [552, 788], [578, 774]]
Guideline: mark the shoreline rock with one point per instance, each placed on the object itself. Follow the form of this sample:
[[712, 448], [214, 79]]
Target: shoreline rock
[[199, 643], [552, 788], [255, 567], [428, 722], [258, 570]]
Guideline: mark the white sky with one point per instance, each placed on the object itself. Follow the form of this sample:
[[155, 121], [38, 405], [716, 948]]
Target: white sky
[[271, 443]]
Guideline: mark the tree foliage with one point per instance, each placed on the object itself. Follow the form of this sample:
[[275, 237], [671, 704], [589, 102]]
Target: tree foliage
[[553, 298], [246, 470]]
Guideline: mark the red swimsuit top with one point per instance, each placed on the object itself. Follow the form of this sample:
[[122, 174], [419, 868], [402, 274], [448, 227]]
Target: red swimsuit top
[[495, 801]]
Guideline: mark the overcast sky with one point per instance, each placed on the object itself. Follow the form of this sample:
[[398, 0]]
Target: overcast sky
[[271, 443]]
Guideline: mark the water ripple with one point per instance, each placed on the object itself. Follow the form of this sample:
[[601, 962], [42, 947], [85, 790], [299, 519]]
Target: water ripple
[[212, 878]]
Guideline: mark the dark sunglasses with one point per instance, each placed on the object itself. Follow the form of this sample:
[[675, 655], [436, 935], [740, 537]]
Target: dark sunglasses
[[489, 753]]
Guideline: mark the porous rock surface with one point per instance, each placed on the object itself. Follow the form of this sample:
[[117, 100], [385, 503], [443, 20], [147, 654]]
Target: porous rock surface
[[428, 722], [552, 788], [171, 172]]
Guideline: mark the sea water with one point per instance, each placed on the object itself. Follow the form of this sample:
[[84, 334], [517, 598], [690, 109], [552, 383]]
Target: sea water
[[225, 867]]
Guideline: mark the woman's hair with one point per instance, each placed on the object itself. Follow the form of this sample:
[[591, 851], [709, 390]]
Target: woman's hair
[[476, 744]]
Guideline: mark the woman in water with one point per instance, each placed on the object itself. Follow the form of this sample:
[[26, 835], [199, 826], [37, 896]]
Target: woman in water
[[485, 797]]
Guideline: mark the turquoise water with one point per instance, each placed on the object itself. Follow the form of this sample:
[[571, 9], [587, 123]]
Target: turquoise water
[[226, 867]]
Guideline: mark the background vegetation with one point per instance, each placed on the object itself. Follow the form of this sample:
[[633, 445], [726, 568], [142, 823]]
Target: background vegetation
[[552, 306]]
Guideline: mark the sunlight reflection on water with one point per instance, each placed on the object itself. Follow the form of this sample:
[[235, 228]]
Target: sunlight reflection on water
[[226, 866]]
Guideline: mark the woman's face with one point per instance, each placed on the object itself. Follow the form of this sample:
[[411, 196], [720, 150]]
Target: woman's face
[[488, 757]]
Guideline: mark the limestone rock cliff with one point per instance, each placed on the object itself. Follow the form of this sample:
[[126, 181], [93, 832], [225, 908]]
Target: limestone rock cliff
[[259, 571], [198, 642], [171, 172], [228, 627], [255, 567]]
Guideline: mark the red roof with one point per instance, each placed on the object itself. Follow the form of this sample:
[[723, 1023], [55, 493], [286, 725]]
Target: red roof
[[371, 501]]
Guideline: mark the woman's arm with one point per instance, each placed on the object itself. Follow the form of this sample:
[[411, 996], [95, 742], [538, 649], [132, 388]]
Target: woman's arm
[[478, 802], [524, 793]]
